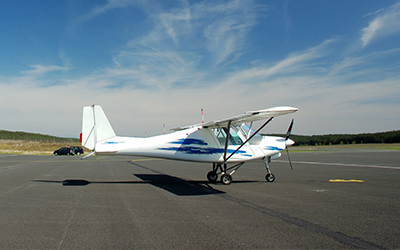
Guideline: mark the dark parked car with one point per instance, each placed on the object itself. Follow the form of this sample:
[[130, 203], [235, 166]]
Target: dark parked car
[[77, 150], [63, 151]]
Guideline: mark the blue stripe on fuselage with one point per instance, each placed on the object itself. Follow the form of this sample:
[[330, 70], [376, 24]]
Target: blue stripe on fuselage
[[203, 151], [273, 148], [188, 141]]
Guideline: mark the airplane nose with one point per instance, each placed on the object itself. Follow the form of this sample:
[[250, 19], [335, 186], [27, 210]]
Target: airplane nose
[[289, 142]]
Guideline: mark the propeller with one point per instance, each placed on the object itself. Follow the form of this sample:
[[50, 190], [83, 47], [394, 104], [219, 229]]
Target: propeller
[[289, 142], [289, 131]]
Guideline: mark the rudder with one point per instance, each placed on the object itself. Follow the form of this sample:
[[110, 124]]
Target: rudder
[[95, 126]]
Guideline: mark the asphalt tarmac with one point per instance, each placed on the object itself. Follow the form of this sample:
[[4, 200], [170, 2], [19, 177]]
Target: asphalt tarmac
[[49, 202]]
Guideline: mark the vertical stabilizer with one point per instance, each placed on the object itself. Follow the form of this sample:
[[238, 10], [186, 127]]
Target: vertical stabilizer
[[95, 126]]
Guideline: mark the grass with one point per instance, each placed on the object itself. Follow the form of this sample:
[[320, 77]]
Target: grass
[[32, 147]]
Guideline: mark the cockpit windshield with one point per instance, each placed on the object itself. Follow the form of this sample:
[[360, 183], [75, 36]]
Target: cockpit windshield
[[247, 132]]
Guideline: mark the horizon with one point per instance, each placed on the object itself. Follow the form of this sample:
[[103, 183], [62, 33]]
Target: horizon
[[150, 63], [272, 134]]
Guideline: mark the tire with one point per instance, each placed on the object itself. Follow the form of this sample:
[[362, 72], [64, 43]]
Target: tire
[[270, 177], [226, 179], [212, 176]]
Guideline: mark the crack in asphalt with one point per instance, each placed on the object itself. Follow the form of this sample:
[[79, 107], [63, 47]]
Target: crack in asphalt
[[338, 236], [343, 238]]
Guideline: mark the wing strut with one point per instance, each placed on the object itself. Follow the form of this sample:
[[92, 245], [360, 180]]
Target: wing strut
[[227, 140], [251, 137], [251, 125]]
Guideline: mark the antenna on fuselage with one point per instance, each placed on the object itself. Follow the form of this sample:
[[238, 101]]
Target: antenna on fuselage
[[202, 116]]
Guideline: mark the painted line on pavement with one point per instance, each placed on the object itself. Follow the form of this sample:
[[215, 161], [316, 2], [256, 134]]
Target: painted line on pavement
[[342, 164], [343, 180]]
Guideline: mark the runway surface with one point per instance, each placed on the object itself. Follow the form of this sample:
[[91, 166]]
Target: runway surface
[[49, 202]]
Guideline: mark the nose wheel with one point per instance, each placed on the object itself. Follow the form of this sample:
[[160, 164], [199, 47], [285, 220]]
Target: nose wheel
[[269, 177], [226, 179]]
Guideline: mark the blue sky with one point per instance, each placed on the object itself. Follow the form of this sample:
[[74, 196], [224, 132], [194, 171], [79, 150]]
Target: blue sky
[[150, 63]]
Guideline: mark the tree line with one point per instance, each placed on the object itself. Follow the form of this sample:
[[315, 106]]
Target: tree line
[[311, 140], [25, 136], [337, 139]]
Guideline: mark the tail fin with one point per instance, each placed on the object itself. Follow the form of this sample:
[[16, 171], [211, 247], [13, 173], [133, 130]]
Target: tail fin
[[95, 126]]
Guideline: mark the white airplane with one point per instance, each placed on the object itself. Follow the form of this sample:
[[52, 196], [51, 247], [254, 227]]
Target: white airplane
[[220, 142]]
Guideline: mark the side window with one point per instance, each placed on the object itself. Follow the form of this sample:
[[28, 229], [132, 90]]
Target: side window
[[221, 133], [234, 138]]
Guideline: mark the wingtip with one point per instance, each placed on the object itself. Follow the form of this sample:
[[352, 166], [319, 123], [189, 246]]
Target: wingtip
[[278, 108]]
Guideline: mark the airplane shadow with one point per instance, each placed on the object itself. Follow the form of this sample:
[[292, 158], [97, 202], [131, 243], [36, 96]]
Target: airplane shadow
[[168, 183], [80, 182], [177, 185]]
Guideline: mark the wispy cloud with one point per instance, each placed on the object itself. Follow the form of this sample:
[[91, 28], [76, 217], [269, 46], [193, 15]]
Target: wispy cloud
[[64, 58], [300, 63], [101, 9], [374, 12], [176, 22], [185, 44], [356, 68], [217, 29], [227, 34], [387, 23], [41, 69]]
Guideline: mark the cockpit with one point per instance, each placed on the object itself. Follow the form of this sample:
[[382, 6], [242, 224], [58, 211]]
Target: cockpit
[[234, 138], [247, 132], [237, 135]]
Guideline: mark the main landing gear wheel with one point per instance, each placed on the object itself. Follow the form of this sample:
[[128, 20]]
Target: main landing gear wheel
[[212, 176], [226, 179], [270, 177]]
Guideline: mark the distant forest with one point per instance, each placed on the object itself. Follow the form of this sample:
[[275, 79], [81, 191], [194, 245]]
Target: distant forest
[[337, 139], [24, 136], [313, 140]]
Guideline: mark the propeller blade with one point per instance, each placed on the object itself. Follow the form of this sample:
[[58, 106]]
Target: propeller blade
[[289, 131], [288, 156]]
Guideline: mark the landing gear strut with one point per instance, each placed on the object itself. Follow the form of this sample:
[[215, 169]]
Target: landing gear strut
[[269, 177], [226, 178]]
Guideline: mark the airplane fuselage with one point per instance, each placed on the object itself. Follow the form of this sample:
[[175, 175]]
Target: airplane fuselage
[[194, 144]]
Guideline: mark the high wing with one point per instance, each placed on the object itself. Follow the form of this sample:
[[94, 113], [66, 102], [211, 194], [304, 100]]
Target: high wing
[[249, 116]]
